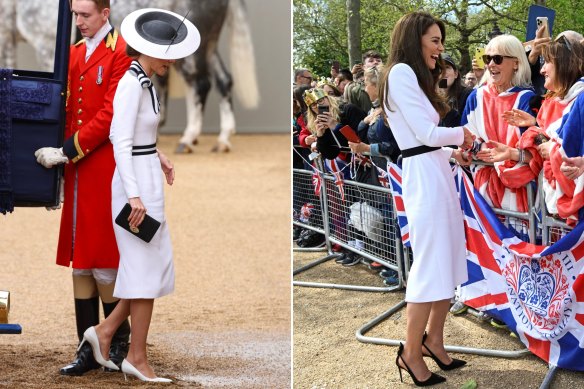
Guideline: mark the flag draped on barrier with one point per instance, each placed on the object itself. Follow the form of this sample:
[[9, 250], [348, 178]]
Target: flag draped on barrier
[[395, 181], [538, 291]]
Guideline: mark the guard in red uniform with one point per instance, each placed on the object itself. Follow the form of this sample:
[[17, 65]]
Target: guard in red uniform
[[86, 238]]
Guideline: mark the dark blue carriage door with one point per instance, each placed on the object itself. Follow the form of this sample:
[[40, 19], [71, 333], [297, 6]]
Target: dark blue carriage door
[[38, 111]]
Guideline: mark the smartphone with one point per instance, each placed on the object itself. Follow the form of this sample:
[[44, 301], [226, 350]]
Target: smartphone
[[540, 138], [350, 134], [443, 83], [322, 109], [538, 12], [479, 52], [543, 21], [336, 65]]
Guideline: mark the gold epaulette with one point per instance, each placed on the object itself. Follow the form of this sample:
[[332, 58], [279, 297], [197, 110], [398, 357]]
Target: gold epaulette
[[80, 42], [111, 40]]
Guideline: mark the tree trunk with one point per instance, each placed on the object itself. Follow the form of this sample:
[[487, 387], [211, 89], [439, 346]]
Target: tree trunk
[[354, 31]]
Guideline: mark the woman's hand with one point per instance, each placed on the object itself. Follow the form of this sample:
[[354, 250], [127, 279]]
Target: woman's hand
[[494, 152], [545, 148], [572, 167], [468, 139], [167, 167], [138, 212], [310, 139], [327, 119], [461, 157], [538, 44], [320, 129], [519, 118], [359, 147], [372, 117]]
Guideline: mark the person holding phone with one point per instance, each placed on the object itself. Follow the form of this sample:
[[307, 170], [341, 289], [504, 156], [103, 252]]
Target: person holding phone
[[413, 108], [534, 54], [326, 116], [146, 269]]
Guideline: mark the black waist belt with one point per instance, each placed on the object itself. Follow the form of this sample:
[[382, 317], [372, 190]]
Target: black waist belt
[[144, 150], [417, 150]]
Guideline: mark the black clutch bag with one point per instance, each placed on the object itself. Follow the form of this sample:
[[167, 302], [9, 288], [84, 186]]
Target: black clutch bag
[[144, 231]]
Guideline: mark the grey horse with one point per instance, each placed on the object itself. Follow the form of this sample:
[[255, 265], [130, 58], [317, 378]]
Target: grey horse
[[35, 21]]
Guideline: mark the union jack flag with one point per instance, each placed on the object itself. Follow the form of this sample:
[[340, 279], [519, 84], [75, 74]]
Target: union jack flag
[[538, 291], [395, 181], [336, 167], [316, 180]]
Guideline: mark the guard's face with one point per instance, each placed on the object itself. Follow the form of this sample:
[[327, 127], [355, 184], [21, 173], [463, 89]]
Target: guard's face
[[88, 19]]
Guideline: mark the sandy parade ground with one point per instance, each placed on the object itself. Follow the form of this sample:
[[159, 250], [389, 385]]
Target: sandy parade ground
[[227, 325], [327, 353]]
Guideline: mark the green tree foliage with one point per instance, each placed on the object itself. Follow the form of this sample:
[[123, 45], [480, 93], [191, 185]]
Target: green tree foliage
[[320, 31]]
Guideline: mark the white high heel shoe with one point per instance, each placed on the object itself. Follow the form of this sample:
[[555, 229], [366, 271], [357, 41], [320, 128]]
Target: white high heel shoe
[[90, 336], [127, 368]]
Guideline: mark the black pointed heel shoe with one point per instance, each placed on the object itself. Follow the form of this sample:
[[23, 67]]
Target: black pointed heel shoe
[[433, 380], [455, 364]]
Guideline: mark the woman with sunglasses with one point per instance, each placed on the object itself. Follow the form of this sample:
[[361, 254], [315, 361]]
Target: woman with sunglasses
[[413, 108], [557, 129], [508, 86]]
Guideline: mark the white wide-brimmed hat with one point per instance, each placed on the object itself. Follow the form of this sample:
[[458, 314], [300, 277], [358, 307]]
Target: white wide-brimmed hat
[[159, 33]]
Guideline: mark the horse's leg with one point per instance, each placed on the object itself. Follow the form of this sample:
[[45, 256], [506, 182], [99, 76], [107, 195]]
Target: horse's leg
[[198, 84], [8, 35], [224, 84]]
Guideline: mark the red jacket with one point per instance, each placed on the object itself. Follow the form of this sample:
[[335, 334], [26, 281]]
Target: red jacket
[[87, 237]]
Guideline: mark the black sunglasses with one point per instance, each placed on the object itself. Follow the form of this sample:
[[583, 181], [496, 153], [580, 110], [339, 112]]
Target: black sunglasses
[[566, 42], [498, 59]]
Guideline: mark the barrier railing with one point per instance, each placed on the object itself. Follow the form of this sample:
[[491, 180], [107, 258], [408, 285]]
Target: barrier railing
[[359, 219], [365, 213]]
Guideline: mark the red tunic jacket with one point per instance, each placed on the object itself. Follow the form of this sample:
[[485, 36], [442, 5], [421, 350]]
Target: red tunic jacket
[[87, 237]]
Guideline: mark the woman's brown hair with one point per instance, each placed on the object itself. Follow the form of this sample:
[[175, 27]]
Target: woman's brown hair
[[406, 47], [568, 59]]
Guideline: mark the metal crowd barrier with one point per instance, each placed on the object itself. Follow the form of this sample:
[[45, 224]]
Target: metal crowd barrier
[[365, 215], [382, 243]]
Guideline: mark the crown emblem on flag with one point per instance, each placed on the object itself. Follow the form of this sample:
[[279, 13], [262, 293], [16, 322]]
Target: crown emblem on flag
[[536, 288]]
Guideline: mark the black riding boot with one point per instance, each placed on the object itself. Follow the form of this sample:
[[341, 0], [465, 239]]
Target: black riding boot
[[86, 315], [121, 339]]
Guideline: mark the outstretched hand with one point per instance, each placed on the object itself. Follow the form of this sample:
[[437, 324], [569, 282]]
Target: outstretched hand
[[468, 139], [572, 167], [519, 118], [494, 152]]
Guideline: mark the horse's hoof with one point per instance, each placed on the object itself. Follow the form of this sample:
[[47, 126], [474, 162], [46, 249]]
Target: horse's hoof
[[183, 149], [195, 142], [221, 148]]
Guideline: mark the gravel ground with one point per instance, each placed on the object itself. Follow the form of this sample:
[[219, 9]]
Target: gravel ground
[[328, 355], [227, 325]]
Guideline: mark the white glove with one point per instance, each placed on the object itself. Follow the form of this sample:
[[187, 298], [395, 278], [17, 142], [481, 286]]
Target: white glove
[[50, 156], [61, 197]]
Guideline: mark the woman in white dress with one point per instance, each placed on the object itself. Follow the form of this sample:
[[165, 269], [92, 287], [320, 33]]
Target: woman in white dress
[[413, 108], [155, 39]]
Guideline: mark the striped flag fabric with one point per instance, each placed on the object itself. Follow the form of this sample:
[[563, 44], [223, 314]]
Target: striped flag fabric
[[538, 291], [395, 181]]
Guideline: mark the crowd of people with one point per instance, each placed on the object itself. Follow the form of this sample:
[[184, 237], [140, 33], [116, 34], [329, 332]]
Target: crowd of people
[[505, 122]]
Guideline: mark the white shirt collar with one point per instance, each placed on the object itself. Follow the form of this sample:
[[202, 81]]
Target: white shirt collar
[[92, 43]]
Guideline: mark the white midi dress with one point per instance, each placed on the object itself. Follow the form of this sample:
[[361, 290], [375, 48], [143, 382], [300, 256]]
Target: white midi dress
[[146, 270], [429, 191]]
